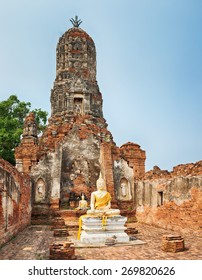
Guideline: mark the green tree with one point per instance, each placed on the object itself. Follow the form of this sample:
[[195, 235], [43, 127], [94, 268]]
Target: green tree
[[12, 115]]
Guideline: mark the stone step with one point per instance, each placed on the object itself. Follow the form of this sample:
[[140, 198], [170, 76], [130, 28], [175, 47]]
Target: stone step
[[57, 232], [98, 229]]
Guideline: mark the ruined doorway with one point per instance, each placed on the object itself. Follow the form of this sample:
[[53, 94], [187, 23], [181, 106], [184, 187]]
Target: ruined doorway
[[160, 199], [78, 106]]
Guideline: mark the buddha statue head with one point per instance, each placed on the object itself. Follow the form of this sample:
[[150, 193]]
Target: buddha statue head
[[101, 183]]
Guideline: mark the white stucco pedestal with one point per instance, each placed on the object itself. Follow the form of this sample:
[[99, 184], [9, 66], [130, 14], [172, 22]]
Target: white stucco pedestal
[[96, 230]]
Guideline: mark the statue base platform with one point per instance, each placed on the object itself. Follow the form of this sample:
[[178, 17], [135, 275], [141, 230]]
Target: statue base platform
[[98, 229]]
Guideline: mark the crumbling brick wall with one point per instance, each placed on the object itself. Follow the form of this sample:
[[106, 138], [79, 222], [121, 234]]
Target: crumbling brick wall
[[171, 200], [15, 206]]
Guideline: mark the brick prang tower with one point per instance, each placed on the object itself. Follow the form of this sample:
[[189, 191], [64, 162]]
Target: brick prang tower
[[76, 145]]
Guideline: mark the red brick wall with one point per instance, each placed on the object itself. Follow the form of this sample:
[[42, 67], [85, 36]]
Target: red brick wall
[[182, 198], [184, 217], [135, 157], [16, 190]]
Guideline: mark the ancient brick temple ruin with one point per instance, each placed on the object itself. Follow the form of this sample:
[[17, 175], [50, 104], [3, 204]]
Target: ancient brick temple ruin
[[76, 146]]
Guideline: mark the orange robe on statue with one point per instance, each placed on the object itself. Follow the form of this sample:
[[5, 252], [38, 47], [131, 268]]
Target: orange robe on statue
[[101, 202]]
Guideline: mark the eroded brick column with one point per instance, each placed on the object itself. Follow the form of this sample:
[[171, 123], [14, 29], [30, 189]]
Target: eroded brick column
[[107, 167]]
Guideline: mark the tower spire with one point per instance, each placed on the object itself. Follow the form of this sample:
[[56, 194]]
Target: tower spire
[[76, 22]]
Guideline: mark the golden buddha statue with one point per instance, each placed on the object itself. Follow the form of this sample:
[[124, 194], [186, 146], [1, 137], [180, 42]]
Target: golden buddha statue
[[100, 204], [82, 203], [101, 200]]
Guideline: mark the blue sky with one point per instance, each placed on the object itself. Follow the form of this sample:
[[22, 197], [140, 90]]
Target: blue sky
[[149, 66]]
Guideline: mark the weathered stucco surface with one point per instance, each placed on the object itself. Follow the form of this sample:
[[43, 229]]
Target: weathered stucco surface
[[80, 166], [124, 180]]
